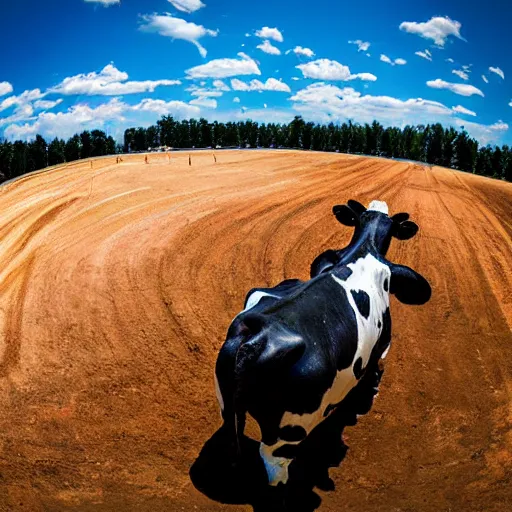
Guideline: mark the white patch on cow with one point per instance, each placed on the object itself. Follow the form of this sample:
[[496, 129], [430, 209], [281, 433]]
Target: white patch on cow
[[277, 467], [256, 297], [379, 206], [385, 353], [219, 394], [368, 274]]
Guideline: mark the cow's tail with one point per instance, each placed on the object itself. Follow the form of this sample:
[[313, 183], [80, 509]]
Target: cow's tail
[[269, 347]]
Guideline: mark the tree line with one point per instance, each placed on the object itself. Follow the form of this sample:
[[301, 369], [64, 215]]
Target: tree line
[[20, 157], [431, 143]]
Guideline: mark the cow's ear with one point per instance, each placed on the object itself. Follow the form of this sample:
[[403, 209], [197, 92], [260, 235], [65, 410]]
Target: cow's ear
[[400, 217], [405, 230], [356, 206], [408, 286], [345, 214]]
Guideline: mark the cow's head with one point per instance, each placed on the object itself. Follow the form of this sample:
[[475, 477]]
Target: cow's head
[[374, 229], [373, 225]]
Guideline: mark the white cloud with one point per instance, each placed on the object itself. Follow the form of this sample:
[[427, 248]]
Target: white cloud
[[256, 85], [398, 62], [220, 85], [84, 117], [485, 134], [108, 82], [362, 46], [178, 109], [203, 92], [332, 103], [426, 55], [299, 50], [437, 28], [106, 3], [321, 102], [269, 48], [22, 113], [325, 69], [510, 104], [368, 77], [204, 102], [484, 78], [264, 105], [247, 34], [66, 124], [223, 68], [368, 55], [467, 67], [236, 99], [296, 78], [22, 99], [270, 33], [460, 74], [462, 89], [176, 28], [187, 6], [461, 110], [47, 105], [450, 60], [5, 88], [498, 71]]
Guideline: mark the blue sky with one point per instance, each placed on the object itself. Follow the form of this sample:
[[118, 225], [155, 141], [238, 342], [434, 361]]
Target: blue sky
[[72, 65]]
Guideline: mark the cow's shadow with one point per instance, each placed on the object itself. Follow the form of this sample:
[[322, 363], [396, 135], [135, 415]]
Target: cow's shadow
[[213, 474]]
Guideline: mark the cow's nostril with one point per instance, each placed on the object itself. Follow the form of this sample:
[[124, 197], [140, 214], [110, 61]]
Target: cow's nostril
[[241, 329]]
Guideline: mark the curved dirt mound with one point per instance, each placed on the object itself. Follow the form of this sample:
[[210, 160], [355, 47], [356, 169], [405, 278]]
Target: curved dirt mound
[[118, 284]]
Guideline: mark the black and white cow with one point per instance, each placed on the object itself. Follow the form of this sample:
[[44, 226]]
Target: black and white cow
[[296, 350]]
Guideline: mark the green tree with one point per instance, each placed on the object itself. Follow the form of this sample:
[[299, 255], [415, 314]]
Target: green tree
[[153, 137], [6, 156], [72, 149], [98, 143], [497, 163], [19, 158], [85, 144], [56, 152], [139, 142], [37, 154], [128, 140], [295, 129]]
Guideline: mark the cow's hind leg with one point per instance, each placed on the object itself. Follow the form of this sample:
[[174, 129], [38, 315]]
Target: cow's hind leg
[[277, 458]]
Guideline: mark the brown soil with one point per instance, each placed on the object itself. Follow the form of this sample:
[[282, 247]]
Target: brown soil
[[118, 284]]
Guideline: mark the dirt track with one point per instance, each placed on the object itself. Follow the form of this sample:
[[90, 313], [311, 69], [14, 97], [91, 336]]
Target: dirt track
[[117, 287]]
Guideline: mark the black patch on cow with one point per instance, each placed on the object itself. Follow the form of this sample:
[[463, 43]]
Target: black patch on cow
[[379, 324], [343, 273], [292, 433], [287, 451], [358, 368], [362, 301], [386, 284]]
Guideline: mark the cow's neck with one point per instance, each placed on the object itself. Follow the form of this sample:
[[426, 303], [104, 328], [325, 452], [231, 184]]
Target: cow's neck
[[373, 236]]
